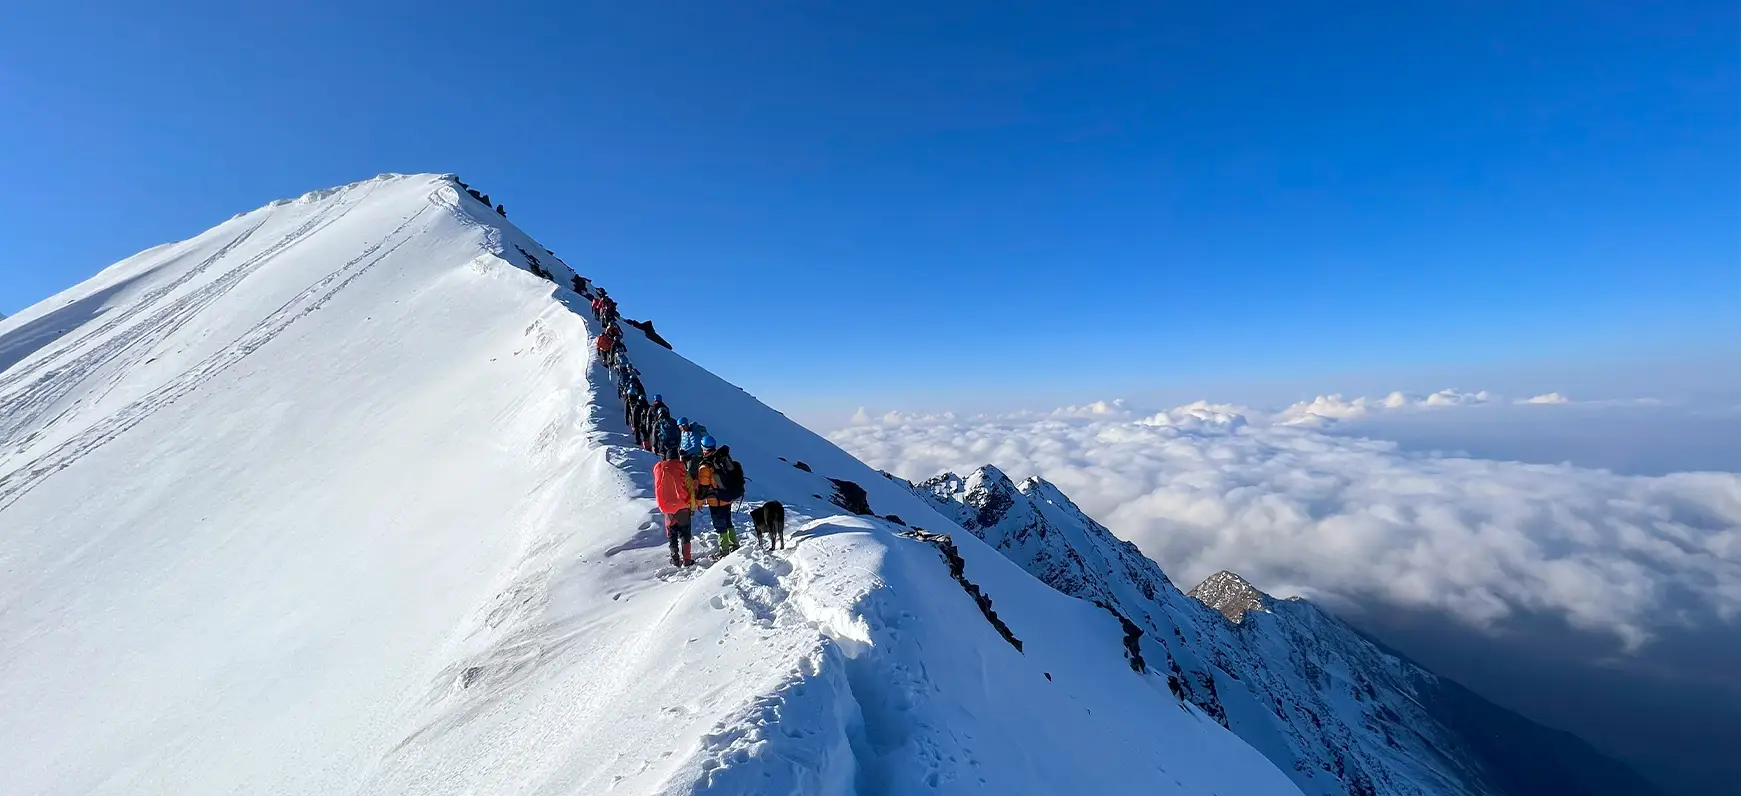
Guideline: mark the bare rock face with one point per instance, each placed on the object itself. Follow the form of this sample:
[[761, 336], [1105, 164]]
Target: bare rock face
[[1230, 595], [850, 496]]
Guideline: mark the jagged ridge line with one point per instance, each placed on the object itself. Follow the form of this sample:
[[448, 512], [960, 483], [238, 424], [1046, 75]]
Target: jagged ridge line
[[958, 570]]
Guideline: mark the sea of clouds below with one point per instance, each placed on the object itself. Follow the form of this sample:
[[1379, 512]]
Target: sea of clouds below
[[1298, 507]]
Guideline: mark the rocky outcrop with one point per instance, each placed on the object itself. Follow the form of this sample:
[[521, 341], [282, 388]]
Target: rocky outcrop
[[1229, 594], [850, 496], [646, 328], [958, 571]]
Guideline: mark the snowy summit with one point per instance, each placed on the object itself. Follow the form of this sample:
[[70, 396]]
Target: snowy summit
[[337, 497]]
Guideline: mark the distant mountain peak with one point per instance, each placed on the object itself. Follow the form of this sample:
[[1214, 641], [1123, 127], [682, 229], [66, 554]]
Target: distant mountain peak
[[989, 472], [1043, 490], [986, 482], [985, 498], [1230, 595]]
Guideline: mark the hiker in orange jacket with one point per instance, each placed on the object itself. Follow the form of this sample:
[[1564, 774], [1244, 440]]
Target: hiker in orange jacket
[[713, 488], [676, 495], [609, 345]]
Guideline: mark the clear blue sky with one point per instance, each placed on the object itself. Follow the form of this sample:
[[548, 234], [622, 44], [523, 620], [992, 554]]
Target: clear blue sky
[[914, 202]]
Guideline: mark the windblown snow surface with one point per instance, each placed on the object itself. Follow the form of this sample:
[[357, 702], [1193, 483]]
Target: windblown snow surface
[[335, 498]]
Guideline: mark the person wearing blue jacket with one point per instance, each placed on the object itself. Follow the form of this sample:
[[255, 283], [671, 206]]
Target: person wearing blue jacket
[[692, 434]]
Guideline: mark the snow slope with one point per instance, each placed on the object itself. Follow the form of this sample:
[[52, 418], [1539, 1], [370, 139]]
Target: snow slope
[[1324, 703], [333, 498]]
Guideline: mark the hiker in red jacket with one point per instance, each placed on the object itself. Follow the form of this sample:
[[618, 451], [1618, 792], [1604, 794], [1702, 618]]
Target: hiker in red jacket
[[604, 308], [672, 488]]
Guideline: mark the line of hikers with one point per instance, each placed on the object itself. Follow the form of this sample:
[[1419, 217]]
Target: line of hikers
[[694, 470]]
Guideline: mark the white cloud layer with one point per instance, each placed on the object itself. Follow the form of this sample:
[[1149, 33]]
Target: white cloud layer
[[1549, 398], [1334, 407], [1205, 487]]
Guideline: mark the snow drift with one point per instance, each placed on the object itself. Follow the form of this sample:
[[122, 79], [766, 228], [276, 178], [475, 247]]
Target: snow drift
[[334, 498]]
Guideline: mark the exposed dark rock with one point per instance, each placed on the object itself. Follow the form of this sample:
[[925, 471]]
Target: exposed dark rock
[[533, 264], [646, 328], [1133, 639], [958, 571], [850, 496]]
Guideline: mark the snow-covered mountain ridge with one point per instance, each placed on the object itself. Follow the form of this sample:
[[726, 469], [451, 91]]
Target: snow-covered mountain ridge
[[1322, 701], [336, 498]]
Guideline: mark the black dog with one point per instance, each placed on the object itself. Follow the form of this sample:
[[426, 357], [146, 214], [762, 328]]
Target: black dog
[[770, 518]]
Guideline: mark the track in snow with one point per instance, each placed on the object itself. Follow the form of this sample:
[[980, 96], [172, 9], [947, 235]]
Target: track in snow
[[20, 480], [120, 342]]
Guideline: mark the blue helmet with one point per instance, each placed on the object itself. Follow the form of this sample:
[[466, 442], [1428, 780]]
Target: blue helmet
[[658, 399], [683, 421], [707, 441]]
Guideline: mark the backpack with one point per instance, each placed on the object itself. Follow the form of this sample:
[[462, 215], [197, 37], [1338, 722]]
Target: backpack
[[665, 430], [671, 486], [731, 479]]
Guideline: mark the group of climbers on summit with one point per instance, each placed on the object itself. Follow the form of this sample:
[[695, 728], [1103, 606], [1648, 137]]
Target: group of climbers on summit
[[694, 471]]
